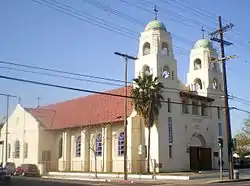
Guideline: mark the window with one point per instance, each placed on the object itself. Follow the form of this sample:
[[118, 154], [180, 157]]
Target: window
[[218, 112], [170, 130], [25, 150], [194, 107], [165, 72], [9, 150], [215, 84], [164, 49], [17, 149], [146, 70], [170, 151], [121, 144], [98, 143], [172, 75], [197, 84], [169, 105], [146, 48], [78, 146], [197, 64], [60, 146], [185, 106], [220, 129], [204, 109]]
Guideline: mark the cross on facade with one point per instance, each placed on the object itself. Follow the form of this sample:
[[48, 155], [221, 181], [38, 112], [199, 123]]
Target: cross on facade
[[156, 11], [202, 29]]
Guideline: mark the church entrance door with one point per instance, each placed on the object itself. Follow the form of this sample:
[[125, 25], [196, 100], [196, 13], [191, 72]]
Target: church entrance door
[[200, 158]]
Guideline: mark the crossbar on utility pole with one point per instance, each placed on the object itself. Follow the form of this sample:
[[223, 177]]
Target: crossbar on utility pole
[[126, 57]]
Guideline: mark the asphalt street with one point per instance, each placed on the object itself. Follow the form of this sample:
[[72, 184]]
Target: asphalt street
[[29, 181]]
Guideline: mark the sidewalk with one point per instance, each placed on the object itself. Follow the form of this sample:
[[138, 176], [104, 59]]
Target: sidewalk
[[203, 177]]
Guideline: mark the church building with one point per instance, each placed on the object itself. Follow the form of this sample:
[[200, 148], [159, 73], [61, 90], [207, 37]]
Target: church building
[[71, 135]]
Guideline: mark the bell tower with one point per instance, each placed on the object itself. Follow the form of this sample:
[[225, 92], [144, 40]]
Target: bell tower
[[204, 76], [155, 55]]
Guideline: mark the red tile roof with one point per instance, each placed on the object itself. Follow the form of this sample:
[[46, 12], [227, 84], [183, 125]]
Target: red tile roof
[[88, 110]]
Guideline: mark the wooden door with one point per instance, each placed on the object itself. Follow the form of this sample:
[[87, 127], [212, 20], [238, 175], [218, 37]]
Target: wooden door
[[193, 155], [206, 158]]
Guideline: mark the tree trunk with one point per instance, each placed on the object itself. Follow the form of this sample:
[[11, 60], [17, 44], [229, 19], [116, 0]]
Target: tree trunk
[[95, 166], [148, 151]]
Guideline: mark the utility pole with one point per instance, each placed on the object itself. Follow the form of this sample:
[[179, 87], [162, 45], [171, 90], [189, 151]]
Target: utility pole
[[38, 101], [126, 57], [222, 42], [8, 96], [7, 126]]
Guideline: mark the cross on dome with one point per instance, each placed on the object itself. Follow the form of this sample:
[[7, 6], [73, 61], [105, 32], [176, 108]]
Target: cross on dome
[[202, 29], [155, 11]]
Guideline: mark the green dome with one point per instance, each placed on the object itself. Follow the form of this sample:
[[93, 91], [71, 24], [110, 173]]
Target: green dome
[[203, 43], [155, 25]]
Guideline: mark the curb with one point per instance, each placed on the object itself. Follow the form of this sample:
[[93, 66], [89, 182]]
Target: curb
[[87, 179], [76, 178], [228, 181]]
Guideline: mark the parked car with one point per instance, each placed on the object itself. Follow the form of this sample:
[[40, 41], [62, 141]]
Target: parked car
[[27, 170], [10, 167], [4, 175]]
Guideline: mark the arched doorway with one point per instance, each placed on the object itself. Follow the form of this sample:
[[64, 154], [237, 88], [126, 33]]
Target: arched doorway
[[200, 155]]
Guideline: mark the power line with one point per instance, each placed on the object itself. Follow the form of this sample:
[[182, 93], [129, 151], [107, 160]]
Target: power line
[[167, 89], [89, 91], [69, 10]]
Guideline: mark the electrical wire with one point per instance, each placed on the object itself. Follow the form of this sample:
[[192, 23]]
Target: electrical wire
[[167, 89], [91, 91], [69, 10]]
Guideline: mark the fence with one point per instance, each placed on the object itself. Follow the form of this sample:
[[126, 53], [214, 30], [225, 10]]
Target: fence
[[115, 166]]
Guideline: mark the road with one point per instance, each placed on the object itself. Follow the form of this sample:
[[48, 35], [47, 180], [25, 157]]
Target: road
[[27, 181]]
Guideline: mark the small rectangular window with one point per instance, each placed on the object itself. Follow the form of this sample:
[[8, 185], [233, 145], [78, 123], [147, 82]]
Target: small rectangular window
[[169, 105], [9, 150], [185, 106], [204, 109], [170, 151], [170, 130], [25, 150], [195, 107], [218, 112], [220, 129]]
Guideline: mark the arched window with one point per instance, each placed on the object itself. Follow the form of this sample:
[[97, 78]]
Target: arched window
[[98, 144], [25, 150], [146, 48], [215, 84], [197, 84], [164, 49], [197, 64], [165, 72], [146, 70], [17, 149], [121, 144], [78, 146], [60, 148]]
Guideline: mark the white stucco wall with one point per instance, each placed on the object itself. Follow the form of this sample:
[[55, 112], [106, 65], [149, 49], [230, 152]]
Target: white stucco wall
[[23, 127]]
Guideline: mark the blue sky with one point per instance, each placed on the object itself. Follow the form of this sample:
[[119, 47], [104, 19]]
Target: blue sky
[[34, 34]]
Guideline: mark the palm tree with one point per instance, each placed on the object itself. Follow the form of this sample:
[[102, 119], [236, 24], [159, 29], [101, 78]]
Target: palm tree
[[147, 97]]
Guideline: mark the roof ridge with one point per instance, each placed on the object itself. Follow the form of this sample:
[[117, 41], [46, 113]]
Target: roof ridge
[[82, 97]]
